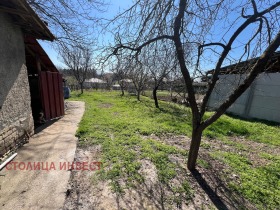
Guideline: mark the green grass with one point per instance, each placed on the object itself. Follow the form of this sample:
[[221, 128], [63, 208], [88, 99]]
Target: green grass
[[159, 93], [124, 128], [261, 185], [119, 125], [143, 118], [256, 131]]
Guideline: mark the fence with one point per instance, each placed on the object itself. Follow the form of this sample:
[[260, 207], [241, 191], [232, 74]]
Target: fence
[[261, 100]]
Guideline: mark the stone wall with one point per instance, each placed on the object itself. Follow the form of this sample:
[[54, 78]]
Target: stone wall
[[16, 121]]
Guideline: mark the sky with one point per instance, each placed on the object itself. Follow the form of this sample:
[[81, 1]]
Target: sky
[[116, 6], [52, 53], [113, 8]]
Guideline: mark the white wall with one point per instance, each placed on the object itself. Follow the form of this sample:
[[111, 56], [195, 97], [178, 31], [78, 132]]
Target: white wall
[[261, 100]]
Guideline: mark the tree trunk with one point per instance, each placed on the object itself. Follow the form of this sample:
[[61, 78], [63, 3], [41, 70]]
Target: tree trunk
[[171, 89], [82, 87], [138, 95], [155, 96], [194, 147], [122, 90]]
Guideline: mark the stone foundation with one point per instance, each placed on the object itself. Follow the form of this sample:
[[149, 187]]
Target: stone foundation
[[15, 135]]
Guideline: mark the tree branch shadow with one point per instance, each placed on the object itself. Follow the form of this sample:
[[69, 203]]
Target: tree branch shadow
[[208, 190]]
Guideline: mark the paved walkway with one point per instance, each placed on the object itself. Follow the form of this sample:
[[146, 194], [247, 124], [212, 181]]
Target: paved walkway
[[50, 148]]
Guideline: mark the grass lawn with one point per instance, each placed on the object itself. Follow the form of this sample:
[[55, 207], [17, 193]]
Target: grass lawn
[[242, 155], [159, 93]]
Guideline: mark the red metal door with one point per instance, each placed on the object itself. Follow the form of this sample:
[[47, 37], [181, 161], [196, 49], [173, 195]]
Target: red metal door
[[51, 94]]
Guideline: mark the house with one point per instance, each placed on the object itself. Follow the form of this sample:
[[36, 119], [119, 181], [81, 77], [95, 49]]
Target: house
[[128, 85], [200, 87], [30, 85], [116, 87], [95, 83], [260, 101]]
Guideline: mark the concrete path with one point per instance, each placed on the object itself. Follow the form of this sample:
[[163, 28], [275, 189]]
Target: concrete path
[[24, 185]]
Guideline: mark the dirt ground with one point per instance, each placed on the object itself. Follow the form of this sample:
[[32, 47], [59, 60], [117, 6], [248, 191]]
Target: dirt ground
[[85, 191]]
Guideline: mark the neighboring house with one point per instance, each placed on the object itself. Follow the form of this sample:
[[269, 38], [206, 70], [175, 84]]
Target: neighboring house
[[261, 100], [30, 85], [128, 85], [116, 87], [200, 87], [71, 82], [109, 79], [95, 83], [163, 85]]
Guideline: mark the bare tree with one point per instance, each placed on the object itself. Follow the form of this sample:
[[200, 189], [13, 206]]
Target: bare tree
[[79, 62], [121, 72], [72, 21], [138, 73], [109, 78], [204, 34], [174, 83], [160, 63]]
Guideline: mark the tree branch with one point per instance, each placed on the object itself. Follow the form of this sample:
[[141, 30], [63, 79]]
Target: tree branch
[[256, 69], [227, 48], [180, 55], [139, 48]]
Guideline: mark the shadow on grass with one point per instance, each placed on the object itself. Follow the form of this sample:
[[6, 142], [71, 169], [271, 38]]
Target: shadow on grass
[[74, 95], [215, 185], [164, 195], [168, 108], [208, 190], [253, 120], [156, 194]]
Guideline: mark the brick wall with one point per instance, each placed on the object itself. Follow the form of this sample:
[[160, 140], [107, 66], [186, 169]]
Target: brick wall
[[13, 136]]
